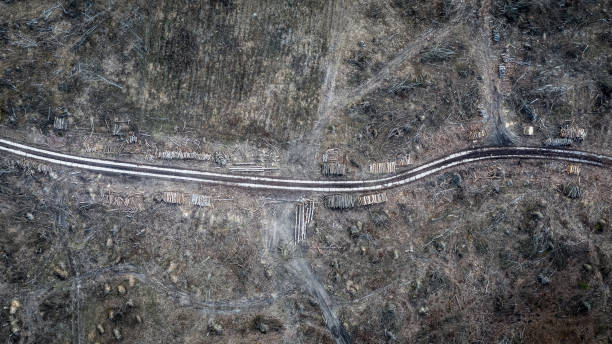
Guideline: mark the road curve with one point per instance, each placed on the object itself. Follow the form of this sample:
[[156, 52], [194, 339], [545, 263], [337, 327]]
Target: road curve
[[297, 185]]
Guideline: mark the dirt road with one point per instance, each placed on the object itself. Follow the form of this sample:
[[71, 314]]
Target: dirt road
[[295, 185]]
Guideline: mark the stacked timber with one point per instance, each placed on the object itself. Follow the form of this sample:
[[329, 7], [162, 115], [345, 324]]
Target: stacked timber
[[304, 213], [573, 133], [383, 167], [372, 199], [135, 203], [30, 166], [173, 197], [60, 123], [180, 198], [333, 169], [200, 200], [341, 201], [502, 71], [558, 142], [179, 155], [573, 169], [333, 163]]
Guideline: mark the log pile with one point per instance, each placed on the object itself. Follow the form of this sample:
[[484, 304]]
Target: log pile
[[60, 123], [179, 155], [180, 198], [341, 201], [333, 169], [573, 133], [558, 142], [304, 213], [383, 167], [573, 169], [372, 199], [333, 163], [200, 200], [134, 203], [30, 166], [173, 197]]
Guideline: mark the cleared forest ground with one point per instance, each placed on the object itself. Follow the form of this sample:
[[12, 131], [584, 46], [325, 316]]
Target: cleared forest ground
[[496, 252]]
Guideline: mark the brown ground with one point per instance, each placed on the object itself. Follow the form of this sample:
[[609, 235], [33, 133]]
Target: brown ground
[[496, 252]]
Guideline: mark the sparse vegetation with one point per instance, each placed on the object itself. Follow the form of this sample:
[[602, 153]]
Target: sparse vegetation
[[493, 252]]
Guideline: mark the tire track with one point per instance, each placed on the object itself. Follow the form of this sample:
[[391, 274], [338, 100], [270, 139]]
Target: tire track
[[309, 145], [491, 83], [351, 95], [182, 298]]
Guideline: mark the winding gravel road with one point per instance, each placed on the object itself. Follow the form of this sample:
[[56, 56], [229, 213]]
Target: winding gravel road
[[296, 185]]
